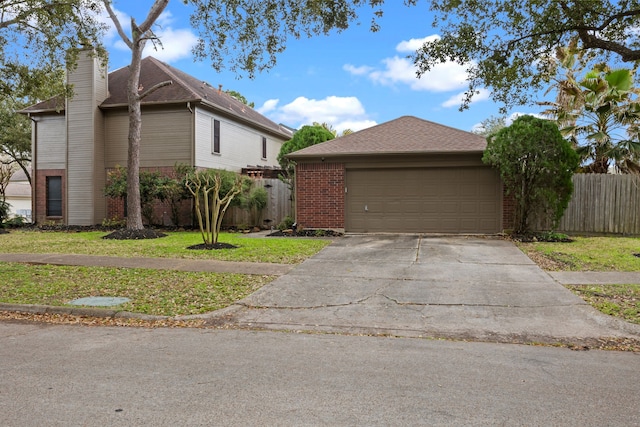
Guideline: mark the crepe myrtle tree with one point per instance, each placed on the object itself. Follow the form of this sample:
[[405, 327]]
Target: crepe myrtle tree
[[213, 191], [536, 165]]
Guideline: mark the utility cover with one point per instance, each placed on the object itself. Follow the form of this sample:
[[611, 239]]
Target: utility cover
[[100, 301]]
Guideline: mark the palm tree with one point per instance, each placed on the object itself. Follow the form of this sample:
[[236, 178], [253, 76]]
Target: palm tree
[[600, 114]]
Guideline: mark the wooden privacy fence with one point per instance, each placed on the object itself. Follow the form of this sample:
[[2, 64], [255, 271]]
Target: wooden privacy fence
[[278, 206], [603, 203]]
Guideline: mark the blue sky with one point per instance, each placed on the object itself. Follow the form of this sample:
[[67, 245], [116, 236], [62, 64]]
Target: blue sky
[[354, 79]]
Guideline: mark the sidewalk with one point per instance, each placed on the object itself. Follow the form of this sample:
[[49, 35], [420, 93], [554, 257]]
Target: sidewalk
[[211, 266], [595, 277]]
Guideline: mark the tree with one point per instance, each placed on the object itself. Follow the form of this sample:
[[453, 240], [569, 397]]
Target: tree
[[503, 41], [490, 126], [305, 137], [153, 186], [240, 97], [44, 35], [600, 113], [15, 137], [213, 191], [246, 34], [330, 128], [536, 165]]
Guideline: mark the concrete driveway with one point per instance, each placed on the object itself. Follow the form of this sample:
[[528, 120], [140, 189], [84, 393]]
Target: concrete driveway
[[406, 285]]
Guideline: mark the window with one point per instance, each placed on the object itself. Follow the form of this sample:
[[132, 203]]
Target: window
[[216, 137], [54, 196], [264, 147]]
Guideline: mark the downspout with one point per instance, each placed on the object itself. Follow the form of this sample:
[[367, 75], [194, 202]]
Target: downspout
[[34, 168], [193, 152]]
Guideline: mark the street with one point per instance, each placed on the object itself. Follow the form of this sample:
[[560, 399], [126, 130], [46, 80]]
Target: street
[[59, 375]]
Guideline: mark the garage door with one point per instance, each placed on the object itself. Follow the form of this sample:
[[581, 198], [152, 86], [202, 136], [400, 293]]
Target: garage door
[[427, 200]]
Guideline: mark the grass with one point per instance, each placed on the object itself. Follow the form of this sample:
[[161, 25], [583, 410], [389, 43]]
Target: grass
[[616, 300], [587, 254], [595, 254], [166, 293], [154, 292], [270, 250]]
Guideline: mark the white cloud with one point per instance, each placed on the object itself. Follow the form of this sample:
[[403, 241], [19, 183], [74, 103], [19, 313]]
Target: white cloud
[[176, 43], [357, 71], [397, 70], [456, 100], [412, 45], [268, 106], [340, 112]]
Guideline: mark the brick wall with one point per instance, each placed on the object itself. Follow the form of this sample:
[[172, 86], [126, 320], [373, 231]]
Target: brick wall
[[40, 202], [320, 195], [508, 210]]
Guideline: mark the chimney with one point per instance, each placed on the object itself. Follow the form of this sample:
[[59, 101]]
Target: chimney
[[219, 89]]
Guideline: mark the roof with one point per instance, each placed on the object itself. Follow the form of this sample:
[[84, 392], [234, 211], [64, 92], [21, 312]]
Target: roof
[[184, 88], [404, 135]]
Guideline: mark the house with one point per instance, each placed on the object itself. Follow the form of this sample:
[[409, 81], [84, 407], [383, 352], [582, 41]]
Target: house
[[406, 175], [18, 195], [77, 141]]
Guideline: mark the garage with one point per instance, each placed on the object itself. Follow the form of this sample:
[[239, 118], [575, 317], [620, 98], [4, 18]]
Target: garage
[[430, 200], [408, 175]]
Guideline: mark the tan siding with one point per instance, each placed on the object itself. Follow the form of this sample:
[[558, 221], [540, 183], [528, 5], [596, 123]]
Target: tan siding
[[85, 143], [166, 138], [240, 145], [51, 143]]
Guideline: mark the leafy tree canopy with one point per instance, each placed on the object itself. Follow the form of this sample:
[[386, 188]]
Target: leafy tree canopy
[[536, 165], [504, 42], [305, 137], [45, 35], [240, 97]]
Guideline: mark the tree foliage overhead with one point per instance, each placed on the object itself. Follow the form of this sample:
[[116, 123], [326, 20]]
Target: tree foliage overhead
[[45, 35], [503, 41], [536, 165]]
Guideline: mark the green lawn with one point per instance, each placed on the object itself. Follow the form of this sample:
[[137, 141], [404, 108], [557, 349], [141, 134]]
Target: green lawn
[[588, 254], [168, 293], [595, 254], [268, 249]]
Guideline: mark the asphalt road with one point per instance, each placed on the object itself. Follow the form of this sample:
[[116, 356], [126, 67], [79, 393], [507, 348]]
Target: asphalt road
[[53, 375]]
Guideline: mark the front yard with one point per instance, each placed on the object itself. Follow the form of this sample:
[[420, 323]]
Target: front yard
[[155, 292], [595, 254]]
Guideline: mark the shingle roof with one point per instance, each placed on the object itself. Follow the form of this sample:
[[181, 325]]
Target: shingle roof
[[184, 88], [404, 135]]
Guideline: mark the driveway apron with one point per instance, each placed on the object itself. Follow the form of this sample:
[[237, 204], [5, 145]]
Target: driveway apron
[[411, 285]]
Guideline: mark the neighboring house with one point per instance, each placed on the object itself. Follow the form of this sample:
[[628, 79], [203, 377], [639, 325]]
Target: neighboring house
[[18, 195], [406, 175], [186, 122]]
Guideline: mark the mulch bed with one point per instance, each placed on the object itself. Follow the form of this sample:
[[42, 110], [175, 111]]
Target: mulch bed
[[204, 246], [305, 233], [125, 234]]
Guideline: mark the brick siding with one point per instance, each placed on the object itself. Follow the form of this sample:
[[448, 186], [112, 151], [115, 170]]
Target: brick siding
[[320, 195], [508, 210]]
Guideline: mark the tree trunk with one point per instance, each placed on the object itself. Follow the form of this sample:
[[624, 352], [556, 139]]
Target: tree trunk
[[134, 209]]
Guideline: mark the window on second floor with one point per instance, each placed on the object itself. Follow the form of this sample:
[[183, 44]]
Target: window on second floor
[[54, 196], [264, 148], [216, 137]]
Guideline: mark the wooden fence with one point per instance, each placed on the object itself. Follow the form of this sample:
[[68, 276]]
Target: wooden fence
[[603, 203], [278, 207]]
